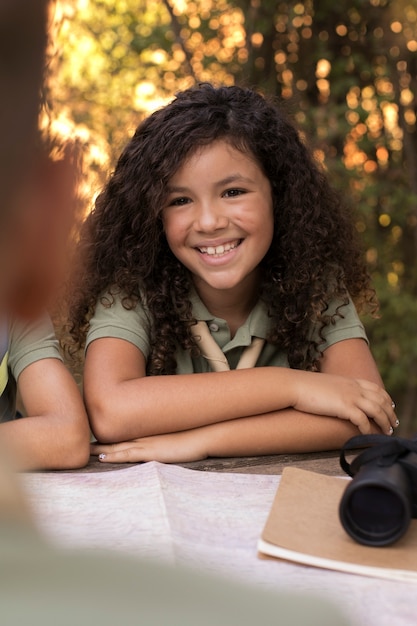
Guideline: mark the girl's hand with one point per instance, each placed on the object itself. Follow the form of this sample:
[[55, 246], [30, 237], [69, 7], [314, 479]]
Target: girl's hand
[[351, 399], [180, 447]]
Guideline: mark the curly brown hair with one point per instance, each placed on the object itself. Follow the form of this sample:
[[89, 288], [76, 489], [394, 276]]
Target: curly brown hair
[[314, 257]]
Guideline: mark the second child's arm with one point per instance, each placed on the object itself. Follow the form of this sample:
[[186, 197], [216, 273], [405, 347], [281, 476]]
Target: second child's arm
[[125, 404], [55, 435]]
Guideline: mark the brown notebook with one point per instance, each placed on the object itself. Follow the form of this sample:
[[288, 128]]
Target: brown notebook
[[303, 526]]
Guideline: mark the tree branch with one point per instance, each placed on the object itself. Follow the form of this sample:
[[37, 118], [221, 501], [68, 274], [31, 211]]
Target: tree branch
[[176, 26]]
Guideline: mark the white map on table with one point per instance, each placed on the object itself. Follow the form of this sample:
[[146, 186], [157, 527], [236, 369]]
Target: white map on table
[[209, 521]]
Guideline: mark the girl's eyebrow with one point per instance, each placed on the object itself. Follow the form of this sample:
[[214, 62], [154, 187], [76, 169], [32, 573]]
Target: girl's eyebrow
[[177, 189], [233, 178]]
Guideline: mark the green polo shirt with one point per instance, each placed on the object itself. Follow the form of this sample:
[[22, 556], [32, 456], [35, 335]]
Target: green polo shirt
[[134, 326], [27, 342]]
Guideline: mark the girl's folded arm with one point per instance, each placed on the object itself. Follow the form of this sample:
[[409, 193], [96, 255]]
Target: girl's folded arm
[[124, 404], [281, 432]]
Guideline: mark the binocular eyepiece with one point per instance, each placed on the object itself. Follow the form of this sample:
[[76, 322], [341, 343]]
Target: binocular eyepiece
[[378, 504]]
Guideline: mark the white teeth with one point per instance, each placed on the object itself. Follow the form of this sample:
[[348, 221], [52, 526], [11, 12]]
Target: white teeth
[[215, 250]]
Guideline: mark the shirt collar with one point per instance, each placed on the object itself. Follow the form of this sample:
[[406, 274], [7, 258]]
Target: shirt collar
[[258, 323]]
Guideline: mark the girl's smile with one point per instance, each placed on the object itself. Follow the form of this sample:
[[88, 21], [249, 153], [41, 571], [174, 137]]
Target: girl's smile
[[218, 219], [219, 250], [217, 254]]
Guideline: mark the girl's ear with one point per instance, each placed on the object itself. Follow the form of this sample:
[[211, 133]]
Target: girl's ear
[[41, 235]]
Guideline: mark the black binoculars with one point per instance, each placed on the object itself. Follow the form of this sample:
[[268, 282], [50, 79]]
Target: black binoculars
[[381, 499]]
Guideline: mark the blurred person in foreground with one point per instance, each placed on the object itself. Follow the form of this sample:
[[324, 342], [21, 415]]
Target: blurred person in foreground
[[36, 216], [40, 584]]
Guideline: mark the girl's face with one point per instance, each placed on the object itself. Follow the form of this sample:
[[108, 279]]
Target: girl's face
[[218, 218]]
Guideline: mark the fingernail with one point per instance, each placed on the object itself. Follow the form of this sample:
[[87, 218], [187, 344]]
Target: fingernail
[[101, 457], [391, 430], [397, 423], [393, 405]]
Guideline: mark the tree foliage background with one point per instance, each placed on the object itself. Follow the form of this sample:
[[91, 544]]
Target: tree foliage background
[[347, 72]]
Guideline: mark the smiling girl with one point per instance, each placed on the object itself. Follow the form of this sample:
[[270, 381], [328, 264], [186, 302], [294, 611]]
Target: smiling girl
[[220, 273]]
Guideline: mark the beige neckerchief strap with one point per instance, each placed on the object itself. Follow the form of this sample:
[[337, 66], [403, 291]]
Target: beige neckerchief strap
[[215, 356]]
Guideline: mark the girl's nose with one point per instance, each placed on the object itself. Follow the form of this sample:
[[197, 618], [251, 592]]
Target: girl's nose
[[210, 217]]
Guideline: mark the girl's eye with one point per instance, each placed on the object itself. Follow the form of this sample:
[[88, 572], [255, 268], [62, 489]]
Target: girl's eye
[[179, 201], [233, 193]]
